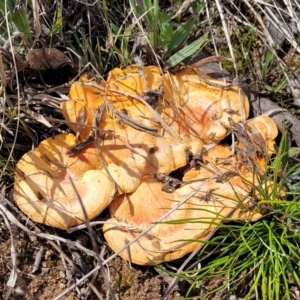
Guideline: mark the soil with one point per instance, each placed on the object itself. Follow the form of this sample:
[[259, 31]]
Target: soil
[[130, 283]]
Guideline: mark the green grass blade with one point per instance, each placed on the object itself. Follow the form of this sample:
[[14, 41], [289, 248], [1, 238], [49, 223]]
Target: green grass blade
[[283, 150], [20, 20], [165, 35], [294, 151], [155, 27], [187, 51], [280, 85], [57, 24], [268, 61], [9, 3], [180, 36], [257, 279]]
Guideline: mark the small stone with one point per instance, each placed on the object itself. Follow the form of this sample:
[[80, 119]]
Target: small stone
[[48, 254]]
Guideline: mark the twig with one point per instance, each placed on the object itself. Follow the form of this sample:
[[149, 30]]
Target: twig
[[227, 35], [189, 258], [94, 244], [139, 98], [136, 238], [39, 233], [38, 259], [13, 256]]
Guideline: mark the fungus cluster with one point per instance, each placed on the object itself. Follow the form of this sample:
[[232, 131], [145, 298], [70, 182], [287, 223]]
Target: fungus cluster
[[149, 146]]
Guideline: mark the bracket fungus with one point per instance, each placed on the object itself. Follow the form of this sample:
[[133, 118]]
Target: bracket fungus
[[131, 132]]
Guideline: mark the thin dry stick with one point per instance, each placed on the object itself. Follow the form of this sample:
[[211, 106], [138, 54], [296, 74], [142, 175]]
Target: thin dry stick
[[38, 259], [270, 41], [8, 159], [227, 35], [2, 76], [38, 233], [154, 112], [188, 259], [37, 25], [193, 193], [127, 120], [94, 244], [95, 223], [211, 31], [13, 256]]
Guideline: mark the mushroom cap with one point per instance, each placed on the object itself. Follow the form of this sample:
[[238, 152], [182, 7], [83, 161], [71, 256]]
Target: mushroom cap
[[166, 241], [199, 104], [264, 132], [194, 110], [43, 188], [231, 172], [164, 155], [120, 90], [191, 107], [222, 194]]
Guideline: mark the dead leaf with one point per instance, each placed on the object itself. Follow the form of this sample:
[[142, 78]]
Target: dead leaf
[[208, 60], [183, 8], [37, 117], [47, 58]]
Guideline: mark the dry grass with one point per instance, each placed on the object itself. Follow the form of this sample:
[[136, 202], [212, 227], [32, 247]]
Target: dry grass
[[262, 40]]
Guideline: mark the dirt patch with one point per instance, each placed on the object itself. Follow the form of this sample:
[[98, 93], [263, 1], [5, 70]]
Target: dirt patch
[[51, 279], [137, 282]]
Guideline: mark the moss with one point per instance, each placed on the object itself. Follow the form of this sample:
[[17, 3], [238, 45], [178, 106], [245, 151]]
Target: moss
[[22, 244], [127, 278], [55, 273], [50, 263]]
